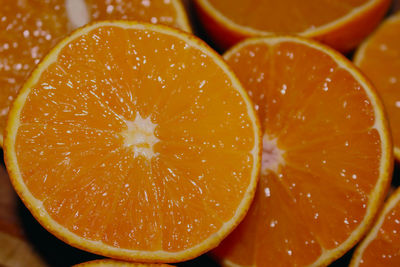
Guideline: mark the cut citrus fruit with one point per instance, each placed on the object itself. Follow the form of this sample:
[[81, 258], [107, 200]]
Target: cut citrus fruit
[[379, 58], [134, 141], [340, 24], [12, 248], [167, 12], [28, 30], [382, 244], [10, 221], [115, 263], [12, 239], [326, 154]]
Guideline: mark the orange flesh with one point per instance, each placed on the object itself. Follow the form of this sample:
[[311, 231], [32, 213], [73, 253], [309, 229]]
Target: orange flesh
[[74, 157], [317, 192], [289, 16], [30, 28], [160, 11], [381, 63], [384, 249]]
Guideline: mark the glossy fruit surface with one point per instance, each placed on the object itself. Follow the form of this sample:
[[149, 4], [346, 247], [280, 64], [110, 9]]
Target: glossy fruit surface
[[340, 24], [326, 156], [379, 58], [134, 148], [381, 246], [30, 28]]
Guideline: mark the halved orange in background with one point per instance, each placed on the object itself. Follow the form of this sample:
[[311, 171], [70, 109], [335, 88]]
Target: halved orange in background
[[340, 24], [115, 263], [134, 141], [379, 58], [326, 158], [381, 247], [15, 250], [167, 12], [30, 28]]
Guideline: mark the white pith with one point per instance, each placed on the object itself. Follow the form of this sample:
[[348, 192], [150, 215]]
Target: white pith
[[77, 13], [271, 157], [140, 137]]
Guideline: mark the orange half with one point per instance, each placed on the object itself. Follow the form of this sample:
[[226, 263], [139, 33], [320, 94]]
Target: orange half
[[134, 141], [13, 241], [382, 244], [30, 28], [326, 156], [379, 58], [115, 263], [340, 24]]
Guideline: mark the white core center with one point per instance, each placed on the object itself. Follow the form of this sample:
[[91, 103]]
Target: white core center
[[271, 156], [140, 137], [77, 12]]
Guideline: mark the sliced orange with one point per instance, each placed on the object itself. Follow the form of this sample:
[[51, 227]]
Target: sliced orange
[[381, 247], [167, 12], [10, 221], [30, 28], [13, 243], [15, 251], [326, 157], [379, 58], [134, 141], [115, 263], [340, 24]]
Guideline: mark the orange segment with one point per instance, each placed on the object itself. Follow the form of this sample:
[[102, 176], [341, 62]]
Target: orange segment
[[132, 148], [326, 157], [381, 246], [379, 59], [340, 24], [29, 29]]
